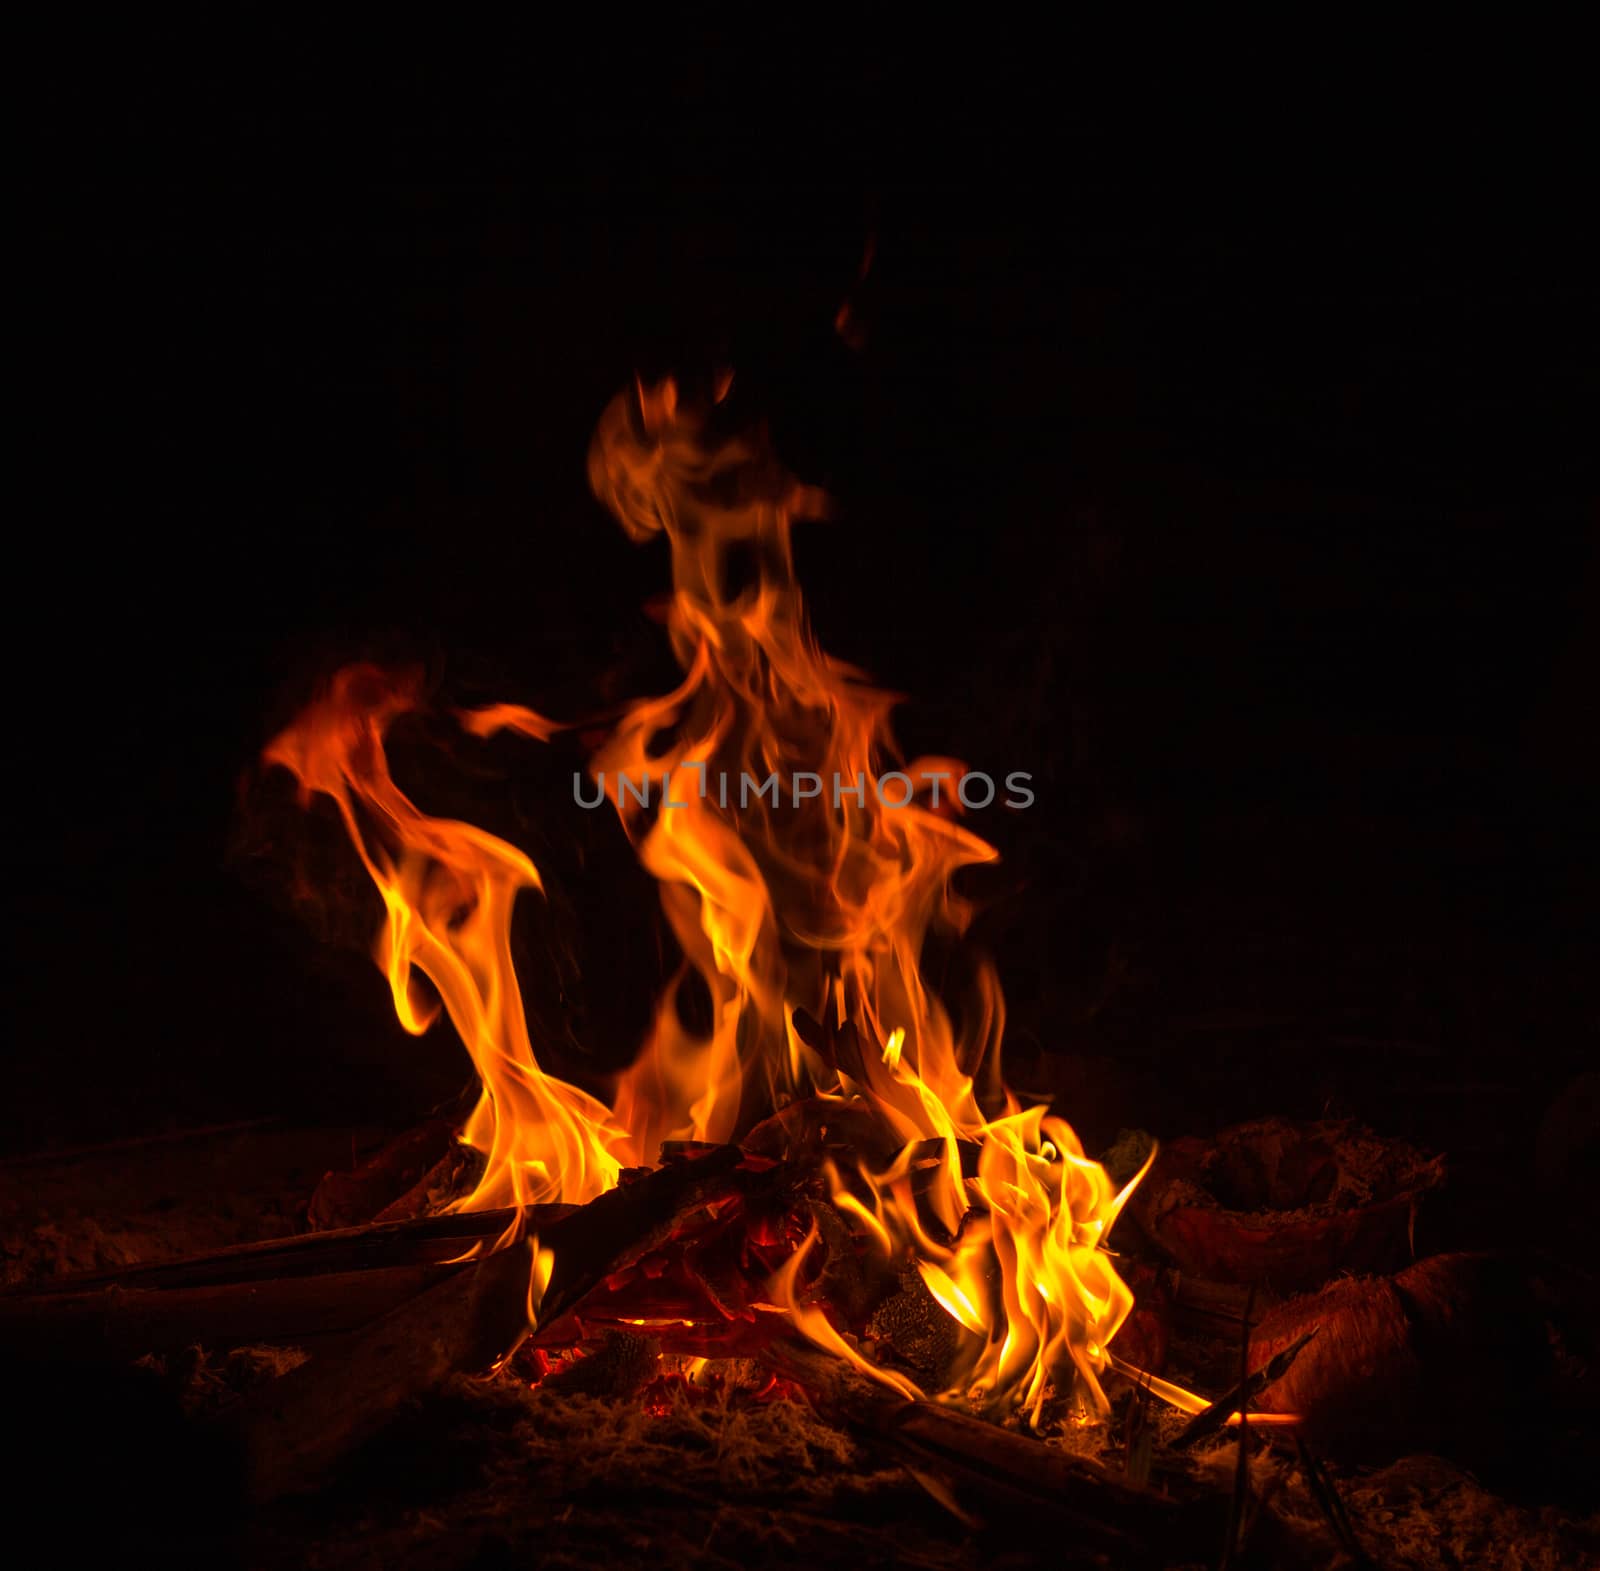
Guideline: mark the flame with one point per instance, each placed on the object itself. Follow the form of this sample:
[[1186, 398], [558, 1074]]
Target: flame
[[801, 869], [448, 890], [822, 901], [812, 1322], [783, 892]]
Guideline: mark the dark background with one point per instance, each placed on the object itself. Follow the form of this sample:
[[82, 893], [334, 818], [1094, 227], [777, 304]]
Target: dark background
[[1224, 461]]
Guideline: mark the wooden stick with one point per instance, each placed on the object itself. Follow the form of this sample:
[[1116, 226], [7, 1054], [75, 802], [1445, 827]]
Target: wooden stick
[[294, 1430], [429, 1240], [423, 1241], [115, 1325], [622, 1223], [1215, 1417], [1005, 1470], [292, 1290], [1331, 1504], [1233, 1545]]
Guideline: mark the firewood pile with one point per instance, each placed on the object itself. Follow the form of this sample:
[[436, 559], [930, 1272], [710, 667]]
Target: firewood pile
[[657, 1307]]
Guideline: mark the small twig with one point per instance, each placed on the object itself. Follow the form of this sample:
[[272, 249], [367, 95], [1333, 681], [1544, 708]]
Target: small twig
[[1262, 1499], [1331, 1505], [1139, 1450], [1217, 1415], [1234, 1544], [374, 1245]]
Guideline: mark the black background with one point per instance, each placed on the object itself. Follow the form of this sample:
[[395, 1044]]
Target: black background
[[1224, 459]]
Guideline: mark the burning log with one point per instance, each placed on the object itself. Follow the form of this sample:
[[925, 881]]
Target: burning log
[[1285, 1206], [450, 1178], [317, 1285], [323, 1410], [622, 1365], [818, 1129], [917, 1333], [399, 1313], [398, 1319], [384, 1179], [283, 1290], [1001, 1470], [622, 1225]]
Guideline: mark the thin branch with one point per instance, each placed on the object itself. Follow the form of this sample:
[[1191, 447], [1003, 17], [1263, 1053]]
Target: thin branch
[[1233, 1545], [1217, 1415]]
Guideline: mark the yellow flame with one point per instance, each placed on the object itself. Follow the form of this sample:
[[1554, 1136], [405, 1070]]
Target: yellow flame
[[801, 868], [448, 890], [544, 1262], [813, 1324], [822, 901], [892, 1048], [952, 1299]]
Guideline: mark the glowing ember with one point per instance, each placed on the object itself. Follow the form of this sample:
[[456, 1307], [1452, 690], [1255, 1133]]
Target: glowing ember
[[801, 869]]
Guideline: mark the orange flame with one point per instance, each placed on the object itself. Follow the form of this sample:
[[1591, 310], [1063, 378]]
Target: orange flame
[[823, 902], [448, 889], [800, 869], [784, 892]]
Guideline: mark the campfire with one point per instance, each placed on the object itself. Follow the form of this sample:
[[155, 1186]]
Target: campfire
[[839, 1134], [813, 1184]]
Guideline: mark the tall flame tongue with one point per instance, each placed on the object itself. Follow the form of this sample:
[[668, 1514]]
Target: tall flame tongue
[[786, 882], [817, 895], [801, 880], [448, 890]]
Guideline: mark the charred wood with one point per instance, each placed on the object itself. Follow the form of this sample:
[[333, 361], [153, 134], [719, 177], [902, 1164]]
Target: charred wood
[[296, 1430]]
